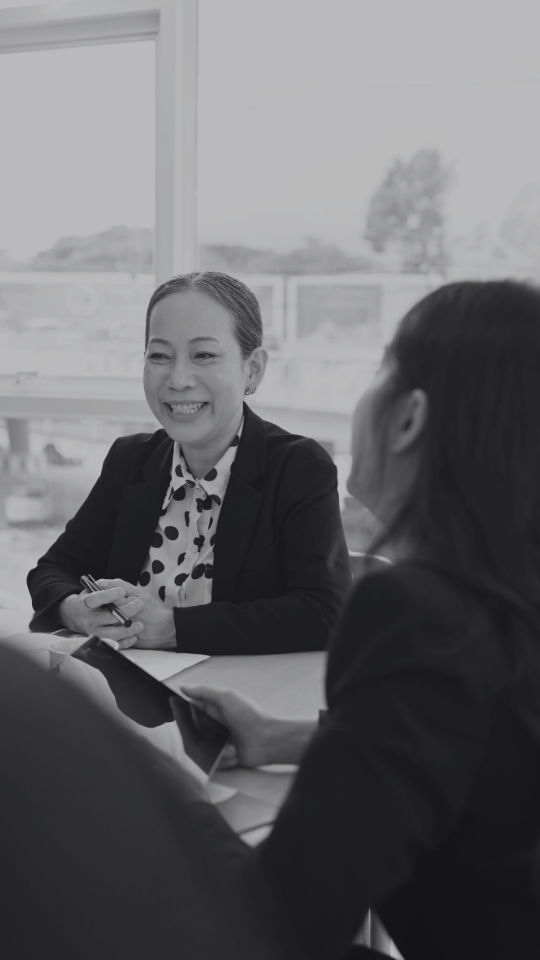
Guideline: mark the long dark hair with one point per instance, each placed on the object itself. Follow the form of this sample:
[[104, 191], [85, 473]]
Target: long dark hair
[[474, 511], [474, 348]]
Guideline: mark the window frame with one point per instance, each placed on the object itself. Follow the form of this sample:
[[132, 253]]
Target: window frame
[[173, 25]]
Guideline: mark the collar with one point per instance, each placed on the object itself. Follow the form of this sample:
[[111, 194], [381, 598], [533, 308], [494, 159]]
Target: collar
[[250, 461], [213, 484]]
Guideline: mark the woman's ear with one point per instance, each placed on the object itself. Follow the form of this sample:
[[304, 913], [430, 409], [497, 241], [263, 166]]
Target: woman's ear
[[256, 366], [409, 421]]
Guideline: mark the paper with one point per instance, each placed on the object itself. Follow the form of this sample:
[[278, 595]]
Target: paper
[[162, 664], [254, 837], [218, 792]]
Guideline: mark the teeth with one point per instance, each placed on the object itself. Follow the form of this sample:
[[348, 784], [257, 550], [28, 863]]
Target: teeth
[[185, 408]]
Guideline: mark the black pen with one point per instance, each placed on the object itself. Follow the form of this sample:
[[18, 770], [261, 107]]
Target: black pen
[[92, 586]]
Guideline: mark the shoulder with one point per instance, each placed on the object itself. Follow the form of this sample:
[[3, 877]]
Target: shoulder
[[129, 454], [282, 443], [411, 619], [413, 590], [302, 467], [138, 444], [287, 462]]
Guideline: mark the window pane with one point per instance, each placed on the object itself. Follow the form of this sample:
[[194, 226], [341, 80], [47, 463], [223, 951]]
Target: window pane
[[361, 152], [76, 261]]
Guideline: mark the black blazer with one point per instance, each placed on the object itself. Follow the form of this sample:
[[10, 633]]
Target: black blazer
[[280, 560], [420, 794]]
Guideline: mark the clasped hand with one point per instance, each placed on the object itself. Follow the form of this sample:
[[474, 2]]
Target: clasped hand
[[152, 624]]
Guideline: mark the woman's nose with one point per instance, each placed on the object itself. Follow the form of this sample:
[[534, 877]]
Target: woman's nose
[[182, 376]]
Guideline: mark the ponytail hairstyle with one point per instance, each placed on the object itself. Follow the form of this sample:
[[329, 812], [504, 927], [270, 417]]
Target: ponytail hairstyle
[[239, 301]]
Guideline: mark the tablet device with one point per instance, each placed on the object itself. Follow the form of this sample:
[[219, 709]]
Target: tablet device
[[149, 702], [204, 738], [139, 696]]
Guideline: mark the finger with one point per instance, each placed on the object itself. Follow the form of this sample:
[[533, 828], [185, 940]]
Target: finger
[[101, 614], [120, 634], [98, 617], [118, 583], [210, 700], [129, 642], [97, 599], [208, 694], [227, 763], [132, 607], [220, 698], [220, 695]]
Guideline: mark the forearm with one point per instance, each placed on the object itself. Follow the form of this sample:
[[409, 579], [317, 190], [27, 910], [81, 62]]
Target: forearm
[[294, 622], [48, 616], [84, 547], [49, 585]]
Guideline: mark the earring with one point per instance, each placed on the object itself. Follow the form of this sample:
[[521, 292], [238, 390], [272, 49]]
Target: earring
[[250, 390]]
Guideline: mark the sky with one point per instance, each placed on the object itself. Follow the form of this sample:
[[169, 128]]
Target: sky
[[303, 106]]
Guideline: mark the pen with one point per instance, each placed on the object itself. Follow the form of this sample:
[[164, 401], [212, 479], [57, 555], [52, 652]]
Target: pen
[[90, 584]]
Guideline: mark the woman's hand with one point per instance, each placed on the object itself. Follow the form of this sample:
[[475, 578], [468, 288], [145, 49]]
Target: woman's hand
[[84, 613], [248, 725], [157, 630], [257, 738]]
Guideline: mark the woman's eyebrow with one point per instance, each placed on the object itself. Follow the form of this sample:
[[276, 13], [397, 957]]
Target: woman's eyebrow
[[158, 340], [198, 339]]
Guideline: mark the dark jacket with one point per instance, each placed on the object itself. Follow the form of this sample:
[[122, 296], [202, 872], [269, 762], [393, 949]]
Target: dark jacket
[[280, 561], [420, 794]]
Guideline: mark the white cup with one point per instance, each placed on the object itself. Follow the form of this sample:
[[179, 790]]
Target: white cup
[[62, 648]]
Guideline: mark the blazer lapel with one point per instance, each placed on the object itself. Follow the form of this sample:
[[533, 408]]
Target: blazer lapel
[[138, 513], [241, 507], [236, 525], [140, 507]]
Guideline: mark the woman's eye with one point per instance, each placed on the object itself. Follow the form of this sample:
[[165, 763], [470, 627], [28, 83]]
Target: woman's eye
[[159, 357], [203, 355]]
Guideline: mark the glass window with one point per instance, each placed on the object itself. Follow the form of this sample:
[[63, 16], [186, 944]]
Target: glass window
[[76, 261], [364, 151]]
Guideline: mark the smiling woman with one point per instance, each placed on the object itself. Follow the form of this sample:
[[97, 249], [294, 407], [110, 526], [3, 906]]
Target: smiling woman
[[220, 533], [197, 370]]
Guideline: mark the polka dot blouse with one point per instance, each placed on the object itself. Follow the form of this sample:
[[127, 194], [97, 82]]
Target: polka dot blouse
[[180, 563]]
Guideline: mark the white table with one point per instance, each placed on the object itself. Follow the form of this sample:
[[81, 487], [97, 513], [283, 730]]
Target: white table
[[285, 685]]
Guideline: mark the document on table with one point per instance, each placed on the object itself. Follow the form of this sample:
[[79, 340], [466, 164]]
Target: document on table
[[162, 664], [218, 792]]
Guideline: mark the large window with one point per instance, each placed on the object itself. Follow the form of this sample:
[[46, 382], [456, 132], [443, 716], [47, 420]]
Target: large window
[[97, 111], [362, 152], [352, 154], [77, 200]]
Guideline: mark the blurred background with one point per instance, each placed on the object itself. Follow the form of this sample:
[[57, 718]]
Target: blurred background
[[352, 156]]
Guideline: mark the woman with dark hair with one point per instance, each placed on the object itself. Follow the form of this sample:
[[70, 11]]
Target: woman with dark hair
[[419, 794], [220, 533]]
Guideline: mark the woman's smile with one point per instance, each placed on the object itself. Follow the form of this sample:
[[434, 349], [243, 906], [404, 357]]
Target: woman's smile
[[195, 374], [185, 410]]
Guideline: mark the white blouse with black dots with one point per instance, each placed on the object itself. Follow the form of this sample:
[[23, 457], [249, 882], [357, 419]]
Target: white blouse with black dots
[[180, 563]]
